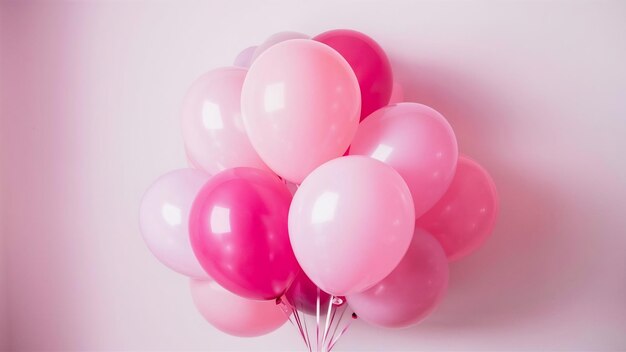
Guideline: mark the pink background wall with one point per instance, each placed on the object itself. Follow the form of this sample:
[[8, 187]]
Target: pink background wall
[[536, 91]]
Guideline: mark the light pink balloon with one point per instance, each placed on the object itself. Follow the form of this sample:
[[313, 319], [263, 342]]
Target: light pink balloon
[[465, 216], [350, 223], [213, 131], [275, 39], [301, 106], [244, 58], [415, 140], [235, 315], [411, 291], [164, 217], [397, 94]]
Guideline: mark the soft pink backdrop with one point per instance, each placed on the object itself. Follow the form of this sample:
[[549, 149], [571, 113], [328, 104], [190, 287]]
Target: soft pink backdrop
[[90, 98]]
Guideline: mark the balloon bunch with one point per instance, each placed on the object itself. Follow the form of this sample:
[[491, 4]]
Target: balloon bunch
[[310, 193]]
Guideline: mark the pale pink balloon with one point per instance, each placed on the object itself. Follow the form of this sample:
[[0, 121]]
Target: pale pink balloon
[[350, 223], [244, 58], [213, 132], [301, 105], [415, 140], [411, 292], [275, 39], [235, 315], [397, 94], [465, 216], [164, 217]]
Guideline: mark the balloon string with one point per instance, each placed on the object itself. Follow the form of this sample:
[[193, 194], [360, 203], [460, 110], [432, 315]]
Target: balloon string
[[307, 340], [332, 335], [327, 322], [337, 338], [317, 317], [297, 318]]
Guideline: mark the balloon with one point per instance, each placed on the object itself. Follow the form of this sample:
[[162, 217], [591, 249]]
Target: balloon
[[235, 315], [465, 216], [397, 94], [275, 39], [244, 58], [411, 291], [213, 131], [238, 230], [350, 223], [369, 62], [163, 218], [300, 105], [416, 141], [303, 293]]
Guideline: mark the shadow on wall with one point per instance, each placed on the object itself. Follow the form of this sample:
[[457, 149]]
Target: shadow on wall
[[519, 272]]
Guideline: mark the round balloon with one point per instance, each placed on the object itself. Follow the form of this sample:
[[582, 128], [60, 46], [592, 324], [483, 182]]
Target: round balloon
[[235, 315], [465, 216], [303, 295], [275, 39], [300, 104], [213, 131], [369, 62], [238, 230], [411, 291], [350, 223], [415, 140], [244, 58], [163, 218]]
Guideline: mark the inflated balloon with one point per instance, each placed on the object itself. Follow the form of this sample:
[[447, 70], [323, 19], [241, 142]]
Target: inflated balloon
[[465, 216], [232, 314], [300, 104], [275, 39], [397, 94], [163, 219], [303, 295], [411, 291], [369, 62], [350, 223], [213, 131], [416, 141], [244, 58], [238, 231]]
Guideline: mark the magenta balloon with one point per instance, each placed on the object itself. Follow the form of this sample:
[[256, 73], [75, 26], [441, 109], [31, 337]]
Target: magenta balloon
[[369, 62], [275, 39], [244, 58], [300, 104], [466, 214], [350, 223], [238, 230], [411, 291], [415, 140], [303, 293], [235, 315], [163, 218], [213, 131]]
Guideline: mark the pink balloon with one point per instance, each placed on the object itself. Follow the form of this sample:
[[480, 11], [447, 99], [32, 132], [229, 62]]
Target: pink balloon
[[238, 230], [415, 140], [303, 295], [350, 223], [275, 39], [465, 216], [213, 131], [369, 62], [163, 216], [300, 105], [397, 94], [244, 58], [235, 315], [411, 291]]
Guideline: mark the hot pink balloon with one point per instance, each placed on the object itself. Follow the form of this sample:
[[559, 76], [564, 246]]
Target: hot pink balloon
[[275, 39], [303, 295], [244, 58], [415, 140], [466, 214], [300, 105], [397, 94], [232, 314], [163, 218], [238, 231], [369, 62], [411, 291], [350, 223], [213, 131]]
